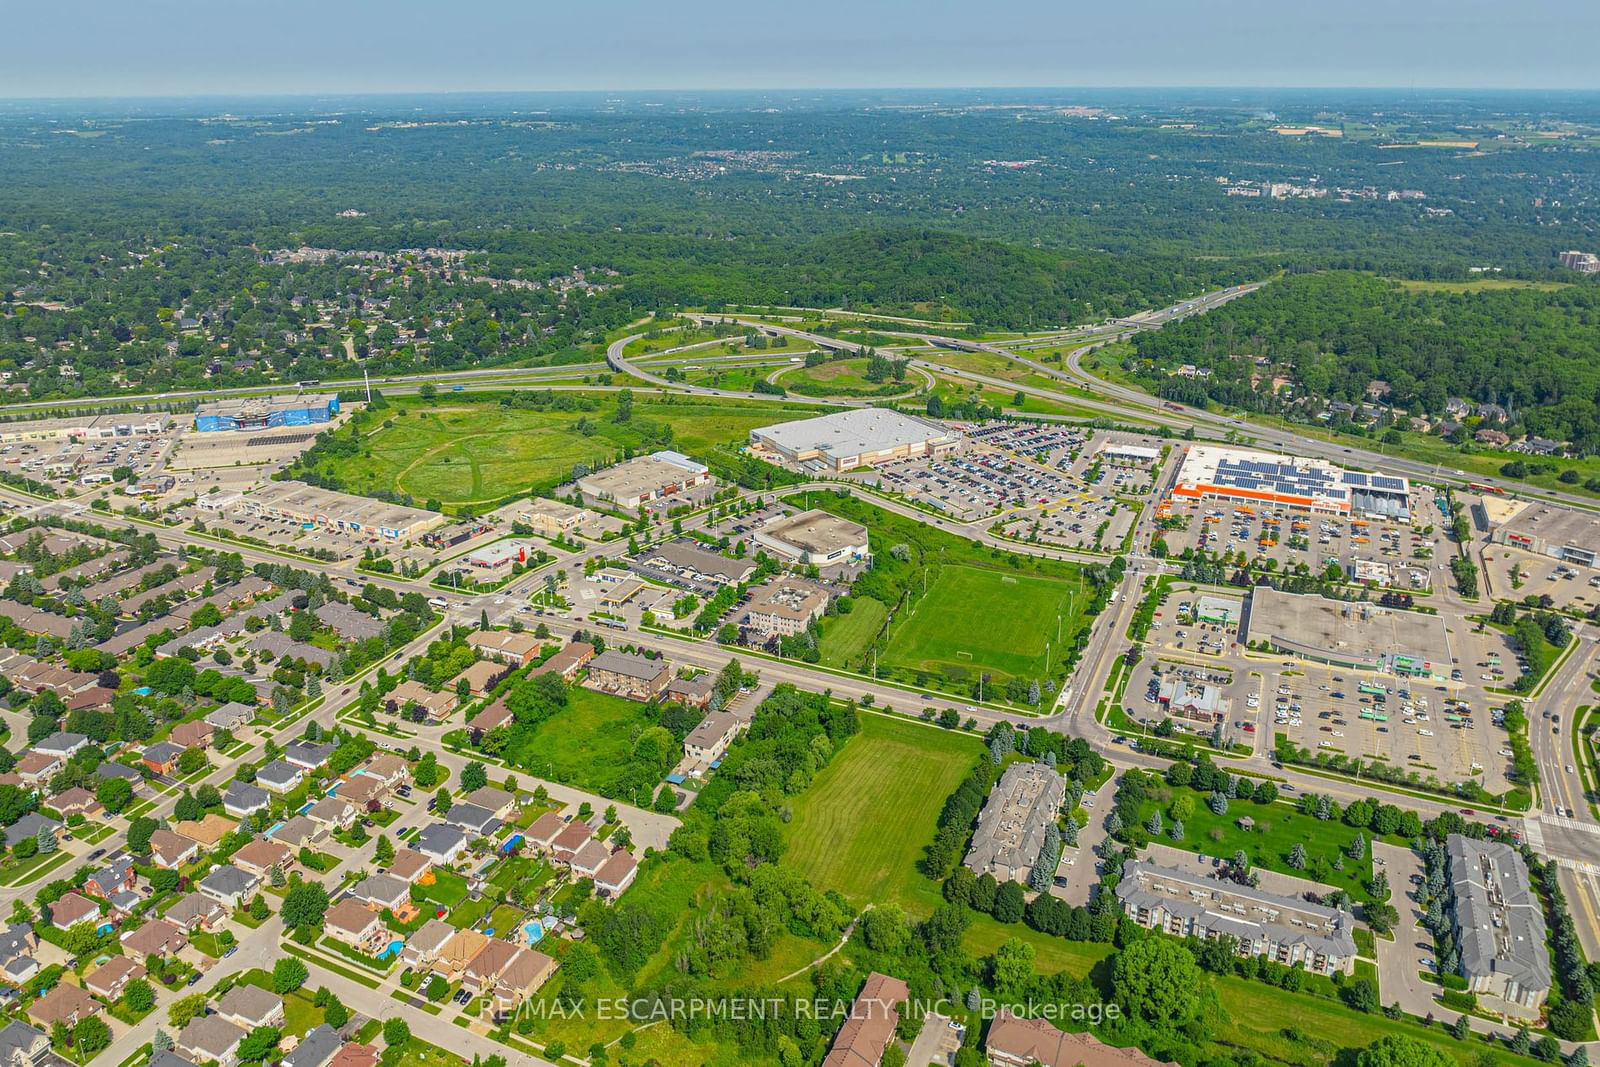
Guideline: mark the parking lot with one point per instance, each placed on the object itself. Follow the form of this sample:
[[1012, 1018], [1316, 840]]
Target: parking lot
[[1512, 574], [1393, 555], [1444, 730]]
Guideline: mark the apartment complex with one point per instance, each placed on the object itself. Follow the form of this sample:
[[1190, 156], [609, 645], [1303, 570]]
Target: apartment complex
[[1498, 921], [1011, 827], [1286, 930]]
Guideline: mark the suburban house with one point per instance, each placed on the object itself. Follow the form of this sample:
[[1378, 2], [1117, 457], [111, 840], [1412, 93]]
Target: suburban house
[[231, 716], [195, 910], [477, 821], [279, 777], [333, 812], [61, 744], [37, 768], [356, 925], [162, 757], [483, 970], [316, 1049], [523, 976], [64, 1004], [109, 980], [194, 734], [1018, 1042], [73, 908], [299, 832], [112, 878], [210, 1037], [437, 706], [171, 850], [242, 798], [615, 874], [409, 864], [261, 855], [627, 674], [385, 767], [379, 891], [251, 1006], [423, 946], [871, 1024], [450, 962], [496, 802], [567, 843], [544, 831], [307, 756], [505, 646], [496, 714], [32, 825], [76, 801], [365, 793], [155, 938], [441, 843], [228, 885], [588, 860], [23, 1046]]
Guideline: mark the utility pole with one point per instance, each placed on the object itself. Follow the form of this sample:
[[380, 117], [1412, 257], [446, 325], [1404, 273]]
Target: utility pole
[[368, 380]]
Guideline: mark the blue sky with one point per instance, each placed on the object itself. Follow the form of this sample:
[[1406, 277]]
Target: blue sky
[[197, 47]]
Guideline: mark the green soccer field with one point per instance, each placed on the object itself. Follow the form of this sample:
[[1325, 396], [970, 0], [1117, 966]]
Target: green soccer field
[[977, 620]]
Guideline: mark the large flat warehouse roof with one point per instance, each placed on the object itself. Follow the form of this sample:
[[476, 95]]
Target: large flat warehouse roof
[[850, 433], [816, 532], [1556, 526], [1275, 478], [310, 502], [1349, 633]]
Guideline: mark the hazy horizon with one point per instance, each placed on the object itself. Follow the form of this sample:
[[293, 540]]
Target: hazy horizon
[[183, 49]]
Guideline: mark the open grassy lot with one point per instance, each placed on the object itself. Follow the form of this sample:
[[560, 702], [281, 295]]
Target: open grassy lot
[[465, 451], [842, 377], [586, 745], [850, 636], [1018, 614], [864, 822]]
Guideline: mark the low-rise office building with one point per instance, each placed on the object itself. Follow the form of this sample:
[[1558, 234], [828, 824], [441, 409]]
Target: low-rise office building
[[815, 537], [309, 505], [785, 607], [638, 482]]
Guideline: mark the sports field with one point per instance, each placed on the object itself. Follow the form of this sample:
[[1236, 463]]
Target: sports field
[[470, 452], [975, 619], [864, 822]]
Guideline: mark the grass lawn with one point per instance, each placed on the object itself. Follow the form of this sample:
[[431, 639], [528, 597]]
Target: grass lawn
[[448, 888], [1278, 828], [418, 1053], [846, 638], [1017, 613], [1051, 954], [587, 744], [207, 942], [864, 822], [466, 451]]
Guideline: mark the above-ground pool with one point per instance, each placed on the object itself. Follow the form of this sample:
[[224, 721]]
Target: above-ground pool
[[534, 930], [392, 951]]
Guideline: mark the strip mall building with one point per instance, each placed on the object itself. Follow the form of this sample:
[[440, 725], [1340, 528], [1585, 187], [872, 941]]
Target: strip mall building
[[1209, 472]]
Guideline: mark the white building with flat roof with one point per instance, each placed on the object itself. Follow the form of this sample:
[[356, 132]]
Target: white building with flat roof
[[815, 537], [1210, 472], [856, 437]]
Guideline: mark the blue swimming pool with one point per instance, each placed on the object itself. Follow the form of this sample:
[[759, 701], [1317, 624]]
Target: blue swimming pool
[[535, 931], [143, 691], [305, 809], [274, 828], [392, 951]]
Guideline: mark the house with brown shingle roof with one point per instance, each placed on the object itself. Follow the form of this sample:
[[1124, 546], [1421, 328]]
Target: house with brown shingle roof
[[196, 734], [865, 1035], [409, 864], [64, 1004], [545, 829], [351, 922], [261, 855], [567, 843], [450, 962], [208, 831], [497, 714], [109, 980], [71, 909], [1017, 1042], [170, 850], [523, 975], [155, 938]]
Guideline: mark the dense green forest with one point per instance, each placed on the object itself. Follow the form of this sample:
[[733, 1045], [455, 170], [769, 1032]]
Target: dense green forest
[[137, 246], [1533, 352]]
